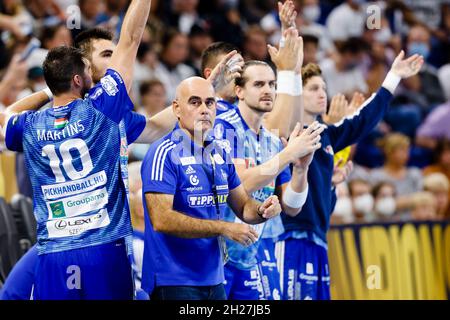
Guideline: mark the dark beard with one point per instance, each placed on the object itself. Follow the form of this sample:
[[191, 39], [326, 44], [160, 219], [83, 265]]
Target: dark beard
[[259, 109]]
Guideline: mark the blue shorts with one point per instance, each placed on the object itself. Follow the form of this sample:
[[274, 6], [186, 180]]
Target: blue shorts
[[267, 265], [19, 283], [242, 284], [100, 272], [303, 266]]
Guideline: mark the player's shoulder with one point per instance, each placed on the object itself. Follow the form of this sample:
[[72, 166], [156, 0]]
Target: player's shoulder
[[230, 117]]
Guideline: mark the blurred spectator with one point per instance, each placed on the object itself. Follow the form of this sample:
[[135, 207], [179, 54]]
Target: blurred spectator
[[441, 159], [406, 180], [153, 97], [255, 45], [343, 210], [342, 71], [56, 36], [153, 100], [271, 25], [171, 69], [199, 40], [346, 20], [435, 127], [183, 15], [309, 14], [424, 206], [145, 66], [13, 82], [385, 200], [427, 12], [427, 82], [310, 49], [362, 200], [438, 185], [90, 10], [444, 75], [112, 17], [400, 16], [226, 25]]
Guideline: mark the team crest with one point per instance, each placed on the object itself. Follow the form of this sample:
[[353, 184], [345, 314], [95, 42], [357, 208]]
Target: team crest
[[109, 85]]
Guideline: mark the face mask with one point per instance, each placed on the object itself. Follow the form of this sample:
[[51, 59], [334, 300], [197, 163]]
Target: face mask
[[385, 206], [343, 208], [363, 203], [311, 13], [383, 35], [419, 48]]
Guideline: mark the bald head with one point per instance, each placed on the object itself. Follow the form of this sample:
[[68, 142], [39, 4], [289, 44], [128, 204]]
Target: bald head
[[192, 85], [195, 104]]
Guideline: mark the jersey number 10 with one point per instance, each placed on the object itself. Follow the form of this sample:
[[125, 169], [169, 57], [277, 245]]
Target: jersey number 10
[[67, 159]]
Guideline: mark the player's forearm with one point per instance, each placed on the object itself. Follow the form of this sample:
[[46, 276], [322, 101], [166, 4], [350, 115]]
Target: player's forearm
[[299, 184], [183, 226], [134, 22], [260, 176], [29, 103], [250, 212], [133, 26], [287, 111], [158, 126]]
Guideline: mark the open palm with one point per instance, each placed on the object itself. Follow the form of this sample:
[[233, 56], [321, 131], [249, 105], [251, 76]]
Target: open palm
[[406, 68]]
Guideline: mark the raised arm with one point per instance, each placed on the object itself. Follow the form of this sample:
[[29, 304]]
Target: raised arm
[[124, 56], [29, 103], [288, 104], [300, 144]]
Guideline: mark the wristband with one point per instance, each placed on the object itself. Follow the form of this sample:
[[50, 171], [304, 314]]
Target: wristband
[[391, 81], [288, 82], [295, 199], [48, 92]]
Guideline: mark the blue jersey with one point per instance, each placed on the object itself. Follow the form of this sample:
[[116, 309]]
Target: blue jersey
[[255, 149], [73, 157], [175, 165], [316, 212], [223, 106]]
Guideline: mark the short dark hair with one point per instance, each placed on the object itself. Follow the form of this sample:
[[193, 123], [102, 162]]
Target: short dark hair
[[215, 49], [85, 39], [147, 86], [49, 33], [353, 45], [60, 66], [242, 80]]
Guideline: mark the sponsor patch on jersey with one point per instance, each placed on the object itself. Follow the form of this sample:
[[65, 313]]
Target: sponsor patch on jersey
[[66, 189], [206, 200], [109, 85], [185, 161], [68, 227], [77, 205], [329, 149]]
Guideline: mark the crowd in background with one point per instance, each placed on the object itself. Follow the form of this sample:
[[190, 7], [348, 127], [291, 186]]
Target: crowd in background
[[402, 169]]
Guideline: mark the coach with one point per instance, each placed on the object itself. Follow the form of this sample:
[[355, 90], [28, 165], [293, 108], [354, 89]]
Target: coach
[[187, 183]]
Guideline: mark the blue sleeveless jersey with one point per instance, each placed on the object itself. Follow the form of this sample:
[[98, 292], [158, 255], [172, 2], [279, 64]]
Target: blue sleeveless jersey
[[73, 155], [234, 135]]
